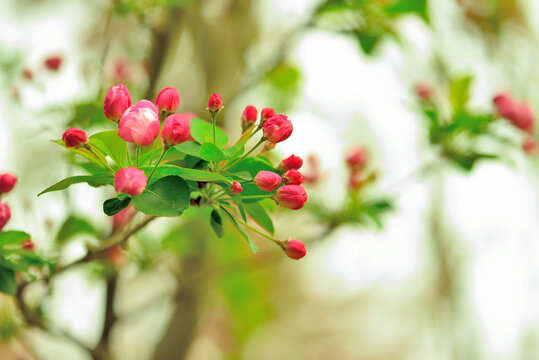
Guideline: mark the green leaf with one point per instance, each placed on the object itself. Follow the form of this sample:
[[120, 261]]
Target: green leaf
[[93, 180], [185, 173], [12, 237], [239, 203], [246, 236], [168, 196], [8, 285], [115, 205], [217, 223], [211, 152], [260, 216], [73, 226], [202, 132], [109, 143], [189, 148]]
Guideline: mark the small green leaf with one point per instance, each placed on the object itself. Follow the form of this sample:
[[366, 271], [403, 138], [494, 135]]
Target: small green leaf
[[94, 180], [8, 285], [73, 226], [246, 236], [217, 223], [12, 237], [114, 206], [211, 152], [239, 203], [111, 144], [260, 216], [168, 196], [202, 132]]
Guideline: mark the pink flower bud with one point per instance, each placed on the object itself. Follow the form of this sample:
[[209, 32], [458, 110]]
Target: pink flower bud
[[249, 116], [215, 103], [168, 100], [293, 177], [5, 215], [117, 101], [357, 158], [27, 245], [266, 114], [292, 162], [529, 145], [236, 188], [123, 218], [130, 181], [74, 138], [523, 119], [294, 249], [291, 197], [267, 180], [505, 105], [53, 63], [140, 123], [277, 128], [424, 91], [176, 129], [7, 182]]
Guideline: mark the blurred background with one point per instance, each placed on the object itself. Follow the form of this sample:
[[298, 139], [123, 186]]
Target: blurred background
[[451, 272]]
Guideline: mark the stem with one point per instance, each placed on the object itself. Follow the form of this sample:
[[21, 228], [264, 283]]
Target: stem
[[165, 149], [127, 154], [213, 125], [257, 197], [138, 155]]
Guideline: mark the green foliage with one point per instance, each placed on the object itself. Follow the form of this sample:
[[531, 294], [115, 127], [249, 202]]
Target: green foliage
[[216, 223], [242, 232], [185, 173], [169, 196]]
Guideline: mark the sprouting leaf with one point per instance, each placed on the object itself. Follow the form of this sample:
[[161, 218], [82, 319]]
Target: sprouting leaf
[[169, 196], [460, 92], [93, 180]]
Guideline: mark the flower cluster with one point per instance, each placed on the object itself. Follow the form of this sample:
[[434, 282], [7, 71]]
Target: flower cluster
[[195, 168]]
